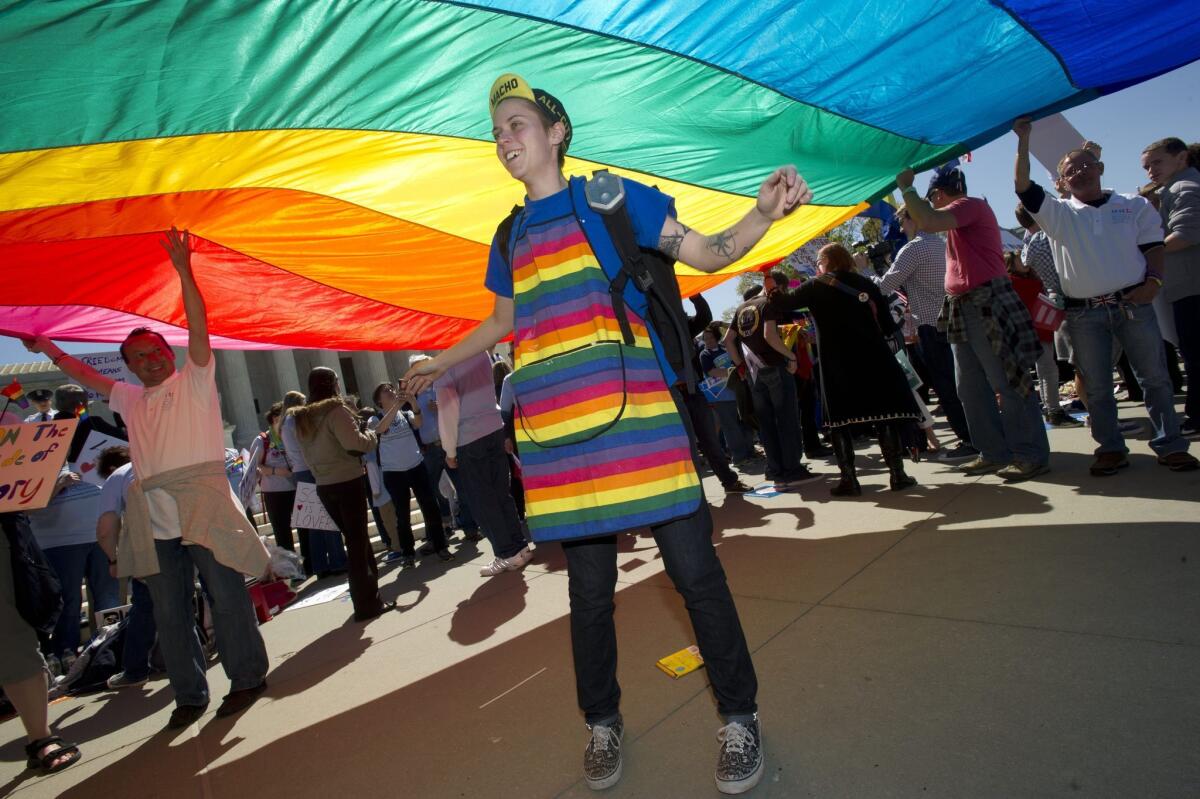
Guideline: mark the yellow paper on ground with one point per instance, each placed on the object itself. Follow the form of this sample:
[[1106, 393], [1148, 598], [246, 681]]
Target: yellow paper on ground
[[685, 661]]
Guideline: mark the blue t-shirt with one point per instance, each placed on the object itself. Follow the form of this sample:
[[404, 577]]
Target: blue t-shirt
[[398, 447], [115, 490], [716, 359], [648, 210], [69, 519], [428, 433]]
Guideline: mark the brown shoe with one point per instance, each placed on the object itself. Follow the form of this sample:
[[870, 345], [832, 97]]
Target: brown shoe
[[1179, 462], [1107, 464]]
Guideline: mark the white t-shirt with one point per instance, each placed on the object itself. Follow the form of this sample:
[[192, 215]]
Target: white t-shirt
[[1096, 249], [174, 424]]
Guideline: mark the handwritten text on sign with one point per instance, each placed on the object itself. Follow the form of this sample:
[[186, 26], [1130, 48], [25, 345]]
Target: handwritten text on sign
[[308, 512], [31, 456]]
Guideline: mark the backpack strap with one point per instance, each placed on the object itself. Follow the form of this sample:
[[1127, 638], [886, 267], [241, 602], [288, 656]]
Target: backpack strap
[[504, 234], [606, 196]]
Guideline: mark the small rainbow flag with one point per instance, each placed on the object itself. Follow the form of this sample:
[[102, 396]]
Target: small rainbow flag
[[14, 393], [81, 412]]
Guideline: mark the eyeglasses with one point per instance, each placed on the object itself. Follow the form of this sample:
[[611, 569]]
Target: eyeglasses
[[1074, 169]]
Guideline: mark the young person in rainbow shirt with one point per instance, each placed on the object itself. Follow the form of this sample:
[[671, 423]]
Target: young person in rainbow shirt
[[603, 445]]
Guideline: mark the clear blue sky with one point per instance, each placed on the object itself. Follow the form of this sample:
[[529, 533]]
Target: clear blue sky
[[1122, 123]]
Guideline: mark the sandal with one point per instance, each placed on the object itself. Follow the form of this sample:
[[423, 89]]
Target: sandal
[[46, 761]]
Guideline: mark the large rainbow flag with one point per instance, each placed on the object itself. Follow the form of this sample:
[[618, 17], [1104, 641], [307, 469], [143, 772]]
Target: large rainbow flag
[[334, 158]]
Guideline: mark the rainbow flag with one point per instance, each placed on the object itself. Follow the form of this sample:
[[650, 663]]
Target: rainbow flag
[[81, 412], [335, 162], [14, 393]]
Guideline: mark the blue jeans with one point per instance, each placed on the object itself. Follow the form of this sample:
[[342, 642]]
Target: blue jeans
[[435, 463], [1012, 431], [243, 654], [1136, 328], [732, 431], [939, 359], [484, 477], [778, 412], [1187, 327], [139, 633], [322, 550], [692, 564], [72, 563]]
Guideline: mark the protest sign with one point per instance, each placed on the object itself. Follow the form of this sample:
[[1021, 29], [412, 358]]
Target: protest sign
[[308, 512], [93, 445], [31, 456], [111, 365]]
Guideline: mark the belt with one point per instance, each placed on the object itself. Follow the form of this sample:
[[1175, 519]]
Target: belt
[[1115, 298]]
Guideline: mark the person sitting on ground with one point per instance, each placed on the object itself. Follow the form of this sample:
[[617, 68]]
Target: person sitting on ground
[[404, 474], [864, 385], [330, 437], [1108, 251], [182, 513]]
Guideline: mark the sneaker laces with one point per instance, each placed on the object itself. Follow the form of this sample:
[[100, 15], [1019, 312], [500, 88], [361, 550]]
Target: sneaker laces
[[604, 738], [736, 737]]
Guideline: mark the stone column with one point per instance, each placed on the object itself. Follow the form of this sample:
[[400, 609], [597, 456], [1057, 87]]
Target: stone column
[[397, 362], [287, 377], [370, 369], [307, 359], [237, 397]]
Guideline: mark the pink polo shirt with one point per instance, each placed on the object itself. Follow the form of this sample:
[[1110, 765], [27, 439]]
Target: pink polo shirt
[[973, 252]]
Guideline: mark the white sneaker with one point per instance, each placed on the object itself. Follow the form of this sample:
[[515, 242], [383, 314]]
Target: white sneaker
[[509, 564]]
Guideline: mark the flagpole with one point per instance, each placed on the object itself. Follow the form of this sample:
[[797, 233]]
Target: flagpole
[[7, 402]]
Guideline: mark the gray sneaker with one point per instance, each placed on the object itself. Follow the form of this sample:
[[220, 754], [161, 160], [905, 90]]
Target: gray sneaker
[[740, 765], [602, 758]]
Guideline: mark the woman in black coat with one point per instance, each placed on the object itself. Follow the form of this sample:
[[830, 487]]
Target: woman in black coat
[[861, 381]]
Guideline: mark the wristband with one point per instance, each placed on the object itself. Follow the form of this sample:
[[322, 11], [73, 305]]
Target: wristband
[[61, 356], [1157, 280]]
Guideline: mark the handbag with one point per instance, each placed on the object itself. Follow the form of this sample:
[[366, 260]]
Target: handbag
[[36, 588]]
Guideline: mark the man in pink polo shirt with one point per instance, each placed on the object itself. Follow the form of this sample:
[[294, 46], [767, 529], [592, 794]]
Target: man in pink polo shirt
[[994, 343]]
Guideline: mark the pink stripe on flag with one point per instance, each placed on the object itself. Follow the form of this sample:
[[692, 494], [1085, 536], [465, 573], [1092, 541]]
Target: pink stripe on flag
[[589, 474]]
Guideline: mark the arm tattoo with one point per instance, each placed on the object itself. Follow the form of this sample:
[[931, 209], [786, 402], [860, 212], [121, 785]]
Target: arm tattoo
[[723, 244], [669, 244]]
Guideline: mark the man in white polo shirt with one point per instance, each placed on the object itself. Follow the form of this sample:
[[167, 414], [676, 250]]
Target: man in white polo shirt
[[1108, 250], [181, 513]]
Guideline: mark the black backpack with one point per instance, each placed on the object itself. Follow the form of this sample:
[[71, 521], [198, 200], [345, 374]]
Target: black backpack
[[651, 271], [36, 587]]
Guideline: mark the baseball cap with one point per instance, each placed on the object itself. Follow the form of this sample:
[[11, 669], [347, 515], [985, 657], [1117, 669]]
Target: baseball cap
[[952, 179], [512, 85]]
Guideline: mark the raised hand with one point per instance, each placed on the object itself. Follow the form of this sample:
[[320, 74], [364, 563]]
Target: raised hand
[[1023, 126], [782, 193], [421, 376], [179, 248], [39, 345], [905, 179]]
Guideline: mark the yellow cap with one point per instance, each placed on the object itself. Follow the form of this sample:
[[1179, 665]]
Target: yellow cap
[[506, 86]]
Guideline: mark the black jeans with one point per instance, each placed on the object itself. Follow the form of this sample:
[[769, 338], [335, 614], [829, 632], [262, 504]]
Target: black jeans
[[347, 504], [279, 513], [398, 485], [939, 360], [484, 478], [692, 564], [706, 435]]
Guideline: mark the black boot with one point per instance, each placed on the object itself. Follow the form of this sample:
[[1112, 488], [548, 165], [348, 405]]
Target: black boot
[[843, 450], [893, 456]]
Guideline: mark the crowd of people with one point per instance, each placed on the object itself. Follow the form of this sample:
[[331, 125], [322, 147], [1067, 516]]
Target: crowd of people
[[602, 428]]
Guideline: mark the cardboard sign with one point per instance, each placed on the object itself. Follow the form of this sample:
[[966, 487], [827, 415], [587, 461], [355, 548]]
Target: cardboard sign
[[308, 512], [111, 365], [1052, 138], [93, 445], [31, 456], [110, 616]]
